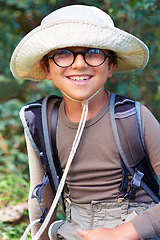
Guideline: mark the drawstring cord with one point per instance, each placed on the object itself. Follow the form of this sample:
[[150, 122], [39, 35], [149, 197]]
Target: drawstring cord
[[63, 179], [83, 101]]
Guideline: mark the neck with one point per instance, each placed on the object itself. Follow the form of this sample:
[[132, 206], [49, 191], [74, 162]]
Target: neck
[[73, 109]]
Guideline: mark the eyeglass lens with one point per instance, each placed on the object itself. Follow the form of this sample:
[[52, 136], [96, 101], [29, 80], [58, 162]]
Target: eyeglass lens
[[65, 57]]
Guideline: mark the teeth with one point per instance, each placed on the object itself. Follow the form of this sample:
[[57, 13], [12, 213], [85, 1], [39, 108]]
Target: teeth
[[81, 78]]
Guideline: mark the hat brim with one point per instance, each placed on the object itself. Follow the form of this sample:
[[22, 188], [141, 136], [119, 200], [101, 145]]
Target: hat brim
[[25, 62]]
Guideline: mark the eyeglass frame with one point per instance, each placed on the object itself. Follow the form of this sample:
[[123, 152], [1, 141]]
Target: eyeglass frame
[[83, 55]]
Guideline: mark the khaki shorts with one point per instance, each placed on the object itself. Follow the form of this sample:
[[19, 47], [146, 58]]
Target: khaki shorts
[[107, 214]]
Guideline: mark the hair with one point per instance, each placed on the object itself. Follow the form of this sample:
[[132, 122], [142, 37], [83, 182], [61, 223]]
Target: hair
[[45, 60], [113, 58]]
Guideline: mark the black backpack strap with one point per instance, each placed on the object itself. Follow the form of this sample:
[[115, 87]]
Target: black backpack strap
[[137, 162], [54, 118], [53, 168]]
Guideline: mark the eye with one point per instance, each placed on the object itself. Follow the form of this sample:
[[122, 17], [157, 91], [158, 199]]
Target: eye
[[94, 52], [63, 53]]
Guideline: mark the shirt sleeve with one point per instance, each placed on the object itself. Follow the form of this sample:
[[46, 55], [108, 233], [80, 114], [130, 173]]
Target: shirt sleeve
[[37, 171], [148, 224]]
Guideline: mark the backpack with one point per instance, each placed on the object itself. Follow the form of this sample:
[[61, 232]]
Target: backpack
[[124, 113]]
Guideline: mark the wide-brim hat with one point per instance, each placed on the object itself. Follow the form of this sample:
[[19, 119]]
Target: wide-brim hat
[[76, 25]]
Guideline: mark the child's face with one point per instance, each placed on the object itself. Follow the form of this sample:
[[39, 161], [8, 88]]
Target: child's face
[[80, 81]]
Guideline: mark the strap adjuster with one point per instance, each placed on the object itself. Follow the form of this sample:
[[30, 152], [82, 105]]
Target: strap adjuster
[[135, 185], [38, 195], [137, 178]]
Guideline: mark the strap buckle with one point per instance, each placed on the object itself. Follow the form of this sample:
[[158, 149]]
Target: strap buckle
[[134, 185], [38, 196]]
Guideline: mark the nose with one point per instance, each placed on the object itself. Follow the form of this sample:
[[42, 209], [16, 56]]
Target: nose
[[79, 61]]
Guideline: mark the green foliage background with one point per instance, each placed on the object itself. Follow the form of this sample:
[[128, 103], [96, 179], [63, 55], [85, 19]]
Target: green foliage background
[[18, 17]]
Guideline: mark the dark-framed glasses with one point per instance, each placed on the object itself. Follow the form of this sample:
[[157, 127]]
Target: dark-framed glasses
[[93, 57]]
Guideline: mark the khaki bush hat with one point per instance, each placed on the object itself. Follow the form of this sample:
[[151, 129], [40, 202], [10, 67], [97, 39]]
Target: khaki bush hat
[[76, 25]]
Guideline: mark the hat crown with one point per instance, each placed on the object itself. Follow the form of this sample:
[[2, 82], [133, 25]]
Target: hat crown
[[77, 13]]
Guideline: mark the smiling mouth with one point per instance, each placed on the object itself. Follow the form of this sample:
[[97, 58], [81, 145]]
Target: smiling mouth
[[79, 78]]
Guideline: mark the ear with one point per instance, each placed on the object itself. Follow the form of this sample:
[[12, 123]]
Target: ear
[[111, 68], [45, 70]]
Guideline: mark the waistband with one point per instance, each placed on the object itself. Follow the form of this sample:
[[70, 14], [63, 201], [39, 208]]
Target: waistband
[[122, 207]]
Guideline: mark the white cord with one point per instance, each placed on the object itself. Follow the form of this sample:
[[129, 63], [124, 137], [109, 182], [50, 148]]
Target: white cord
[[80, 100], [24, 236]]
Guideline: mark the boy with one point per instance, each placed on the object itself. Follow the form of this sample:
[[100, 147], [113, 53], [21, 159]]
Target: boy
[[78, 48]]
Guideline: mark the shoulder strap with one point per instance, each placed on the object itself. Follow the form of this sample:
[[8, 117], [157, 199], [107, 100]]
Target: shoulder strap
[[35, 121], [129, 139], [54, 118], [53, 167], [116, 134]]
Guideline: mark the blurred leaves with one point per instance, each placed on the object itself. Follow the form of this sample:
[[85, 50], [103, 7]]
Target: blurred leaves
[[13, 189], [13, 231]]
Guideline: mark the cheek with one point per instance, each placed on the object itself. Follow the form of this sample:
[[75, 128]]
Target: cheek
[[107, 70], [57, 77], [55, 71], [103, 72]]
